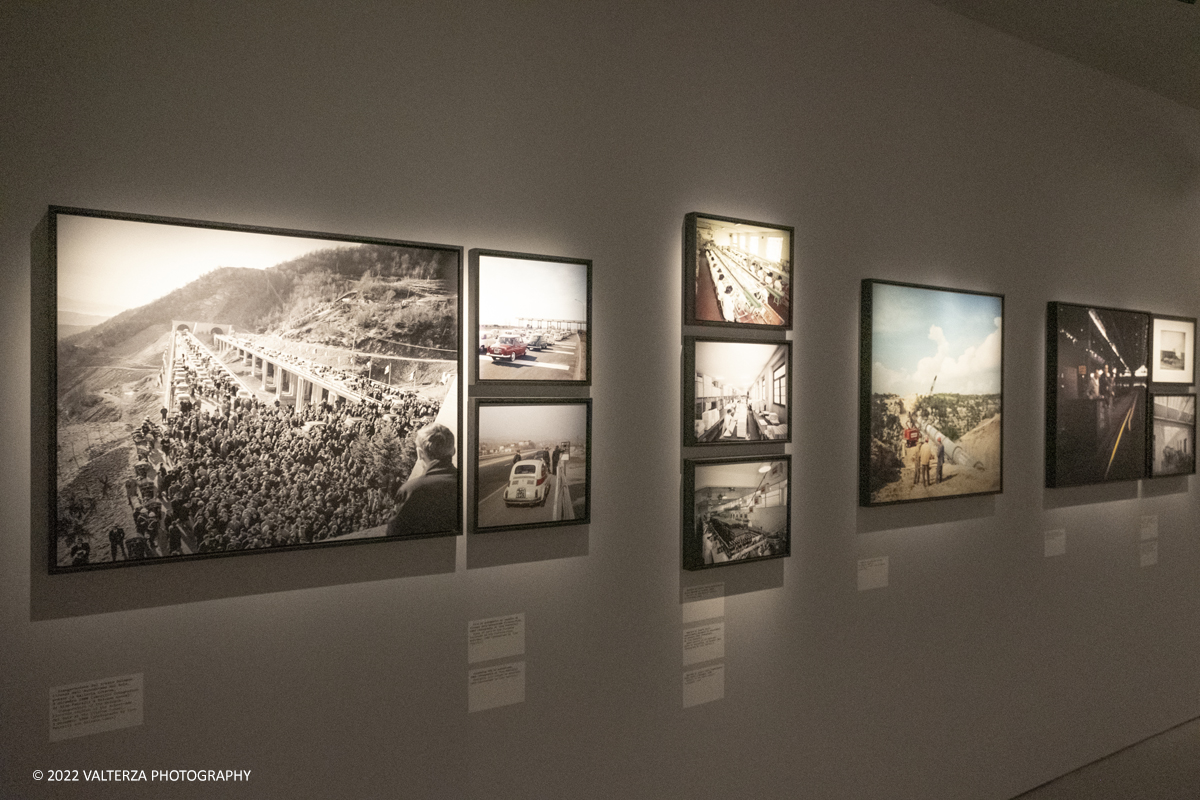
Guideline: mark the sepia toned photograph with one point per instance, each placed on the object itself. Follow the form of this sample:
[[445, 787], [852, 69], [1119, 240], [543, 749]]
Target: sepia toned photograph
[[1096, 375], [737, 272], [931, 389], [739, 392], [532, 318], [1173, 350], [1173, 435], [533, 463], [226, 389], [736, 510]]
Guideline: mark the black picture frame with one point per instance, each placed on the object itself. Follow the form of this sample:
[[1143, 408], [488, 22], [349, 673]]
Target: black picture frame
[[752, 496], [565, 499], [761, 410], [1172, 352], [132, 405], [1171, 435], [556, 349], [742, 273], [926, 334], [1096, 394]]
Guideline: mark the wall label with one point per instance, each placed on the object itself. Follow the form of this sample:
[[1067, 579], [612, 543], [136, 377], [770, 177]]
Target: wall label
[[108, 704]]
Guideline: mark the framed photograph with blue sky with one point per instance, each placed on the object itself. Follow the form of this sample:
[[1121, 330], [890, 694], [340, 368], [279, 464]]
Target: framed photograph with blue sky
[[931, 393]]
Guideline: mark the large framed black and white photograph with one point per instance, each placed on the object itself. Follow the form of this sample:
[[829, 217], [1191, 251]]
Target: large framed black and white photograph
[[1173, 350], [737, 273], [227, 389], [931, 393], [1173, 435], [736, 510], [532, 463], [532, 318], [1097, 365], [739, 391]]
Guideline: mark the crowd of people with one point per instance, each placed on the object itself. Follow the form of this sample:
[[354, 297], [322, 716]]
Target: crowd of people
[[746, 285]]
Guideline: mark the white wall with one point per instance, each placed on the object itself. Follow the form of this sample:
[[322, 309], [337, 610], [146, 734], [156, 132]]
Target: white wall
[[904, 142]]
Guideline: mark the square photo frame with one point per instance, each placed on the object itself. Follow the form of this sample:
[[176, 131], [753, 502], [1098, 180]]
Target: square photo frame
[[1173, 350], [736, 510], [531, 318], [217, 389], [739, 391], [532, 463], [1172, 445], [931, 393], [737, 273]]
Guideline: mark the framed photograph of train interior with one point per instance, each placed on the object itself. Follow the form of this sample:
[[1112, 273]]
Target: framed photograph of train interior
[[1173, 350], [931, 393], [219, 389], [533, 463], [1097, 364], [737, 273], [1172, 435], [532, 318], [736, 510], [739, 391]]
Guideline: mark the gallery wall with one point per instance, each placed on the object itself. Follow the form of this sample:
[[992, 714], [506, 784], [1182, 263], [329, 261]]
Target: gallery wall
[[903, 142]]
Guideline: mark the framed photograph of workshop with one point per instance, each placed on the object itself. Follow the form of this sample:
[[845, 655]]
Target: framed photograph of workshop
[[739, 392], [215, 389], [1097, 366], [931, 393], [737, 273], [532, 463], [531, 317], [1173, 350], [736, 510], [1172, 444]]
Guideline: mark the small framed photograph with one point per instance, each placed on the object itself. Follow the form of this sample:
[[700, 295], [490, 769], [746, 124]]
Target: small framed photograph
[[931, 393], [739, 392], [1173, 435], [1097, 363], [737, 273], [736, 510], [1173, 350], [533, 463], [532, 317], [219, 390]]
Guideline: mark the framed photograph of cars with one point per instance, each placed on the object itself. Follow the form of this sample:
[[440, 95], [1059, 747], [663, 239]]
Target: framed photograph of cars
[[1173, 350], [533, 463], [736, 510], [931, 393], [1172, 435], [1096, 412], [739, 391], [532, 318], [737, 273], [217, 389]]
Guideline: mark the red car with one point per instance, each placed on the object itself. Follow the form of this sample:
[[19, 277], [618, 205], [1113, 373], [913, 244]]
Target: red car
[[507, 347]]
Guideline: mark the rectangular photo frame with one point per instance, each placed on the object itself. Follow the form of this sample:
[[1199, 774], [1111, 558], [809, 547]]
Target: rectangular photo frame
[[737, 273], [532, 463], [739, 391], [1173, 350], [736, 510], [1097, 366], [531, 318], [219, 389], [931, 393], [1172, 444]]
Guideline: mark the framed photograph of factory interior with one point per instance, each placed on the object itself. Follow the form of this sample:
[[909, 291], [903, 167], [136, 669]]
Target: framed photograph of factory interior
[[218, 389], [931, 393], [1172, 435], [533, 463], [739, 391], [737, 273], [1097, 364], [736, 510], [1173, 350], [531, 317]]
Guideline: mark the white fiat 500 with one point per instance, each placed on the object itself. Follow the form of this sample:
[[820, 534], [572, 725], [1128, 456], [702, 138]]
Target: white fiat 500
[[528, 484]]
